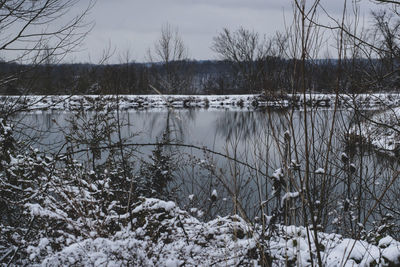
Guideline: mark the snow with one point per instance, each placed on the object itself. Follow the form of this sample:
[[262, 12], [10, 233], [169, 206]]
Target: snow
[[320, 171], [173, 263], [290, 195], [278, 174], [344, 157], [224, 241], [392, 254], [37, 210], [382, 130], [155, 204], [251, 101]]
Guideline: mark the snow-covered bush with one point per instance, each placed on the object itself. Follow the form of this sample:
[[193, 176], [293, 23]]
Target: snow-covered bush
[[47, 203], [161, 234], [382, 130], [155, 175], [24, 180]]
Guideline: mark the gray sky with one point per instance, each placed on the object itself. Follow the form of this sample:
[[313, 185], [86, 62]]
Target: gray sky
[[134, 25]]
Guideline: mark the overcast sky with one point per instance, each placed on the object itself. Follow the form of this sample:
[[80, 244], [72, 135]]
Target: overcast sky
[[134, 25]]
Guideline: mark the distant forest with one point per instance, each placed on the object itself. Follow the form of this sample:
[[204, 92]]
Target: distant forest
[[272, 76]]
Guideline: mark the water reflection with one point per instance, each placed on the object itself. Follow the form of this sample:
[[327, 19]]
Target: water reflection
[[256, 138]]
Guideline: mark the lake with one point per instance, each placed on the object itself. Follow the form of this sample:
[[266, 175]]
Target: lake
[[245, 149]]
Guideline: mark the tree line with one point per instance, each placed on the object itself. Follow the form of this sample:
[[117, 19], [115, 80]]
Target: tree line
[[278, 76]]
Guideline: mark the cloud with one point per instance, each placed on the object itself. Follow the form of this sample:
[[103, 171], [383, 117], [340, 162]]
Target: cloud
[[135, 24]]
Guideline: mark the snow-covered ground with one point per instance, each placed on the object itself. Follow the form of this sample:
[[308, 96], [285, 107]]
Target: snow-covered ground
[[86, 102], [161, 234]]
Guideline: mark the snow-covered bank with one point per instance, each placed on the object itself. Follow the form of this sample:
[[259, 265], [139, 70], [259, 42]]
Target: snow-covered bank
[[382, 130], [161, 234], [86, 102]]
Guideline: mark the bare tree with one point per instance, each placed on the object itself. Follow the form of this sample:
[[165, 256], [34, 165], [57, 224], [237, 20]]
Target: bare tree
[[170, 46], [38, 32], [247, 51], [171, 51], [33, 31]]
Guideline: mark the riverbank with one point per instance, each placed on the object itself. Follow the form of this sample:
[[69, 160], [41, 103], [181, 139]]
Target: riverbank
[[126, 102]]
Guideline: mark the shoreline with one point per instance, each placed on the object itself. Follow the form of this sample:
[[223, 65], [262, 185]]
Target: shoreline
[[252, 102]]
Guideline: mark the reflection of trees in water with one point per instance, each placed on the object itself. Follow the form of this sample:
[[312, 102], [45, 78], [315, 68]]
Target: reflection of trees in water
[[39, 129], [244, 125], [254, 138], [173, 122], [159, 171], [251, 136], [258, 139]]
